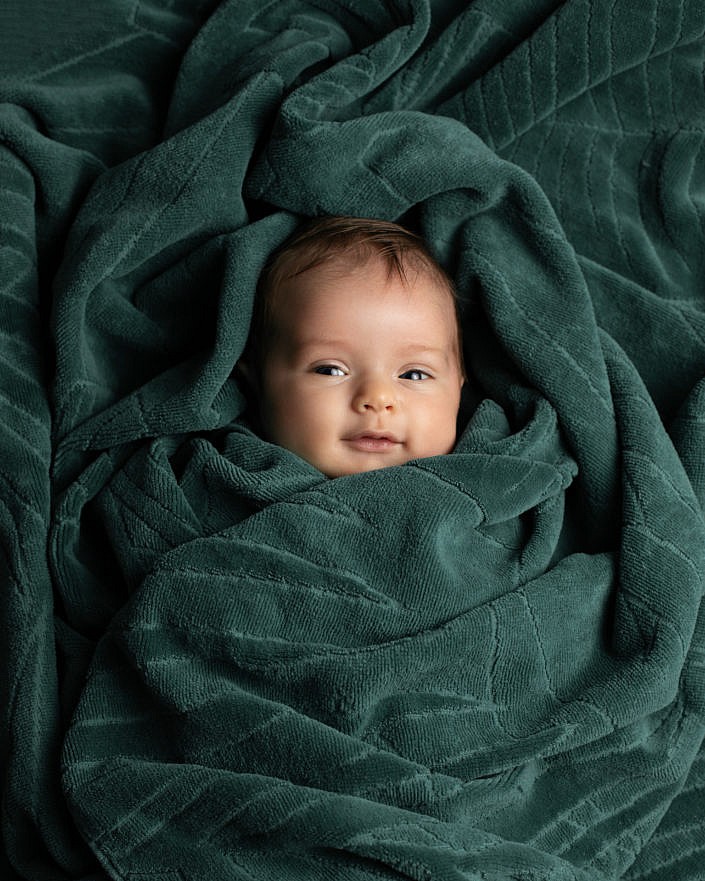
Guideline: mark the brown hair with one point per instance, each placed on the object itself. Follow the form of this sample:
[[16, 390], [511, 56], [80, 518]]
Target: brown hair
[[329, 238]]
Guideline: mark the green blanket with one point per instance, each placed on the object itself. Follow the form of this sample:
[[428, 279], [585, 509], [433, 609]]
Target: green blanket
[[217, 663]]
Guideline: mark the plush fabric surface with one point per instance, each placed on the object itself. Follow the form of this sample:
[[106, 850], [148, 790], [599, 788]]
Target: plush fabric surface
[[219, 664]]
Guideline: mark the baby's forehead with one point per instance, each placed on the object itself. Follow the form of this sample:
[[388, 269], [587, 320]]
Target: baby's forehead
[[326, 292]]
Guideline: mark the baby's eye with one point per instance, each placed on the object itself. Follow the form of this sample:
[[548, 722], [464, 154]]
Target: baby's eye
[[329, 370], [415, 374]]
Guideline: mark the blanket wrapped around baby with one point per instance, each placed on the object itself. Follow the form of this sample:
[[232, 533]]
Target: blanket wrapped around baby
[[220, 664]]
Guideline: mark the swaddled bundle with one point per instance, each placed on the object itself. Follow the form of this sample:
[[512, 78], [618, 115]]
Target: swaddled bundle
[[481, 664], [389, 670], [338, 669]]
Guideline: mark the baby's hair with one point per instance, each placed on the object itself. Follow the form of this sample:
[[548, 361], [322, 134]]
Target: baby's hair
[[327, 239]]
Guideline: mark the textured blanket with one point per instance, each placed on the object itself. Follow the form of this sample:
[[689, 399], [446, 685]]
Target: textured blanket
[[219, 664]]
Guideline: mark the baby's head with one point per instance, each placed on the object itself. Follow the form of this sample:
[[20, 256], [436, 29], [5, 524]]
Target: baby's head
[[355, 356]]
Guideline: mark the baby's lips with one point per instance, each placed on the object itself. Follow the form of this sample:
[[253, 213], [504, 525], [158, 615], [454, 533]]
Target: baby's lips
[[375, 435]]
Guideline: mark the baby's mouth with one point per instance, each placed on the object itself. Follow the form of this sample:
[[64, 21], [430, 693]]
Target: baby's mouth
[[373, 441]]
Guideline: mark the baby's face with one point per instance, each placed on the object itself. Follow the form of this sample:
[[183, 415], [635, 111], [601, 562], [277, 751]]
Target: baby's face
[[363, 370]]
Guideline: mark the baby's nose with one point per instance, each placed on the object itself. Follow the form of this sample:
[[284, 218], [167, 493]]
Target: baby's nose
[[376, 396]]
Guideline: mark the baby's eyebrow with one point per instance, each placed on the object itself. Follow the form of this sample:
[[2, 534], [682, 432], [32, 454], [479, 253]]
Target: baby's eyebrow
[[320, 341], [424, 349], [407, 350], [420, 350], [303, 346]]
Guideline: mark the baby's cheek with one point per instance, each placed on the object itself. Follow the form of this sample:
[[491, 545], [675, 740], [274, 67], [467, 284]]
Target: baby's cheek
[[441, 432]]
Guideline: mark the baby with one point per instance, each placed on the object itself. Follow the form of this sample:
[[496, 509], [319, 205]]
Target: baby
[[355, 356]]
